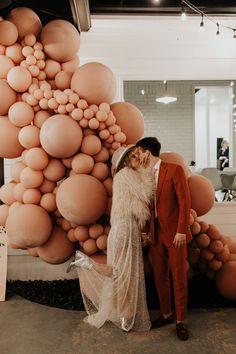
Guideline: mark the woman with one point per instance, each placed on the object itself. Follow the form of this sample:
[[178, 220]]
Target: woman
[[223, 155], [116, 291]]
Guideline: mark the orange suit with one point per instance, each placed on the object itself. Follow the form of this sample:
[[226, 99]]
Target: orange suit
[[173, 210]]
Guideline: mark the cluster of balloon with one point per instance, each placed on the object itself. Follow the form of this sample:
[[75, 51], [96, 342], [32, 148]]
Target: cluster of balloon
[[210, 252], [213, 254], [58, 118]]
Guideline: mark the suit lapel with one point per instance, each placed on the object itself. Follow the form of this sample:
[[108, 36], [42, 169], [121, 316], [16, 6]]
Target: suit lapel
[[161, 177]]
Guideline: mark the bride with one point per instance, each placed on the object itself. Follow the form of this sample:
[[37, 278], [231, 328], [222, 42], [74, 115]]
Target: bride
[[116, 291]]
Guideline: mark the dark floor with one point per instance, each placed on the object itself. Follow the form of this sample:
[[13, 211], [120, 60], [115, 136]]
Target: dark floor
[[31, 328]]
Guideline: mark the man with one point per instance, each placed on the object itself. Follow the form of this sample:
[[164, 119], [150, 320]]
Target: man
[[170, 232]]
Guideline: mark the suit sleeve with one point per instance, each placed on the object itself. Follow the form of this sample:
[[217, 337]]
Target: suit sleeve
[[183, 196]]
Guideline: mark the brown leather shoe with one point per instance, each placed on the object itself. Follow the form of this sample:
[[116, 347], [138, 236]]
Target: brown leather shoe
[[161, 321], [181, 331]]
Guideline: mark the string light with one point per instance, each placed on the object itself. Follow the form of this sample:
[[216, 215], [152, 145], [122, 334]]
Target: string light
[[203, 14], [183, 14]]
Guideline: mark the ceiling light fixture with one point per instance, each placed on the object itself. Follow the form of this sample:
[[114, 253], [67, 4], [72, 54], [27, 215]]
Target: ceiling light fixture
[[166, 99]]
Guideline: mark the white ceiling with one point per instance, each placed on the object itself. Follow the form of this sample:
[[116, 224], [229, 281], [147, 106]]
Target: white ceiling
[[161, 47]]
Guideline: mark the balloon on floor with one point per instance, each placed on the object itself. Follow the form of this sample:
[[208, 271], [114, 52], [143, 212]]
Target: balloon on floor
[[61, 121]]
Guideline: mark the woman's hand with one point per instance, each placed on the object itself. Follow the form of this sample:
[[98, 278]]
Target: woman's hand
[[146, 239], [142, 157]]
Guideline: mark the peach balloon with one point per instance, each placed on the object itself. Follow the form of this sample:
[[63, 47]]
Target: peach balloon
[[15, 53], [40, 118], [19, 191], [31, 196], [174, 157], [52, 67], [108, 182], [71, 235], [54, 171], [204, 226], [19, 78], [71, 65], [95, 83], [48, 202], [95, 231], [202, 194], [102, 156], [90, 246], [29, 226], [7, 97], [57, 129], [203, 240], [206, 254], [82, 163], [195, 228], [8, 33], [30, 178], [193, 255], [91, 145], [4, 211], [61, 40], [130, 119], [26, 21], [81, 199], [37, 159], [21, 114], [215, 264], [63, 79], [102, 242], [99, 257], [81, 233], [13, 207], [57, 249], [29, 136], [66, 225], [9, 143], [213, 232], [100, 171], [224, 255], [16, 169], [33, 251], [216, 246], [5, 65], [47, 186], [6, 193]]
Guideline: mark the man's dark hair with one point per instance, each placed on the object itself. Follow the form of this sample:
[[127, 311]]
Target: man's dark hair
[[152, 144]]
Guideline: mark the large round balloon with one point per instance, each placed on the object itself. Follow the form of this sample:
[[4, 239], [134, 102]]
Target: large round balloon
[[57, 249], [9, 143], [61, 40], [28, 226], [225, 280], [95, 83], [7, 97], [174, 157], [81, 199], [130, 119], [202, 194], [26, 21], [61, 136]]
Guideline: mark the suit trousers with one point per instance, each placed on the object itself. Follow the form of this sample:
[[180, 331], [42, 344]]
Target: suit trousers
[[168, 259]]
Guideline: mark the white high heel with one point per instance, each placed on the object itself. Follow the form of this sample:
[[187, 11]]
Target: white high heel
[[81, 260]]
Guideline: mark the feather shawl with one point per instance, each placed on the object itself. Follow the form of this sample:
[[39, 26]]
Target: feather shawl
[[132, 195]]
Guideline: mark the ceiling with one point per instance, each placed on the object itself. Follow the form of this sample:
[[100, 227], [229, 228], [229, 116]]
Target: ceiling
[[146, 39]]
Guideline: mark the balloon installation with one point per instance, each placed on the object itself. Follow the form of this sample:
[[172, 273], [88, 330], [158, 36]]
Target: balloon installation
[[61, 122]]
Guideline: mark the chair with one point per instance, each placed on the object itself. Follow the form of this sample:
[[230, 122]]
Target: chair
[[232, 192], [212, 173]]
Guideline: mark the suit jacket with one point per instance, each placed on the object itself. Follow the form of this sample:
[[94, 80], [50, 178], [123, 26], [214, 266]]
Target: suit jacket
[[172, 204]]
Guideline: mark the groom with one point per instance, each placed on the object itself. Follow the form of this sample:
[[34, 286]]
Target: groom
[[170, 231]]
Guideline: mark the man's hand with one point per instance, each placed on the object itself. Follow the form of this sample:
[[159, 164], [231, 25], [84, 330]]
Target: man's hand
[[179, 240], [142, 157]]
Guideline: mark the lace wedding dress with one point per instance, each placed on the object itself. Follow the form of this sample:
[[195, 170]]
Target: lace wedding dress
[[116, 291]]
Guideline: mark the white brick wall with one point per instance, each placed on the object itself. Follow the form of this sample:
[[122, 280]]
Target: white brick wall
[[173, 123]]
